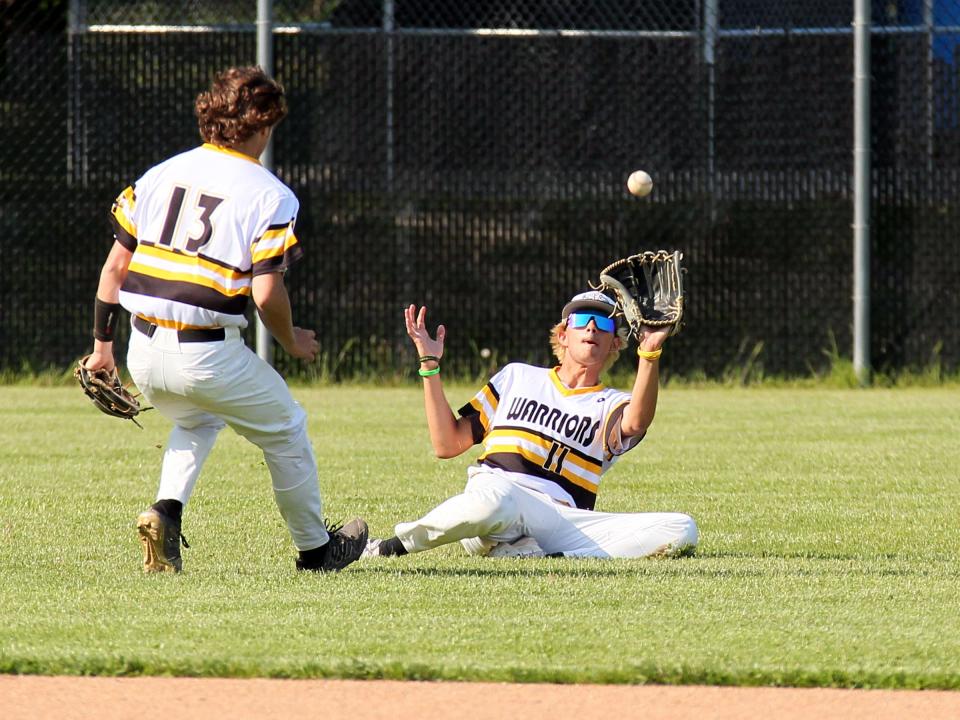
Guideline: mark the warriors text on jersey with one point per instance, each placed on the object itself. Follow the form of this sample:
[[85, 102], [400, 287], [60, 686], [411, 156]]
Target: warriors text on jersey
[[546, 436], [200, 226]]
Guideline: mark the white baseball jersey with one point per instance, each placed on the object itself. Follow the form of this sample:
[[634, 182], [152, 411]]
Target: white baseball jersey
[[200, 226], [546, 436]]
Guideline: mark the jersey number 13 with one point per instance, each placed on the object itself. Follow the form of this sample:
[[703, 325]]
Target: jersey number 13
[[174, 234]]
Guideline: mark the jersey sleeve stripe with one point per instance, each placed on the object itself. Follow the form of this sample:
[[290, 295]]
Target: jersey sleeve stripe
[[123, 235], [277, 263], [275, 232], [489, 394], [484, 405], [125, 230], [481, 411], [472, 412], [269, 251], [613, 417], [276, 241]]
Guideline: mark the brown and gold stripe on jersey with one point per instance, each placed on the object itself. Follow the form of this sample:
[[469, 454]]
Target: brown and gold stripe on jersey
[[192, 279], [523, 450], [171, 264], [276, 250], [185, 292], [124, 229], [514, 462], [479, 411]]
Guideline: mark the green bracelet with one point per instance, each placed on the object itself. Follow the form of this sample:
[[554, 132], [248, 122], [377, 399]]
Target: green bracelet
[[428, 373]]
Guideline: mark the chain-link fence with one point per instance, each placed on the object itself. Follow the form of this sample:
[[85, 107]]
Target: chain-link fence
[[472, 157]]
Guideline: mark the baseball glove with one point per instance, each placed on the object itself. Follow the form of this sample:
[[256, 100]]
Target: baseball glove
[[107, 393], [649, 290]]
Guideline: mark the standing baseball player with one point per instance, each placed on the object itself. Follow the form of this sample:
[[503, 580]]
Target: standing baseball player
[[197, 237], [548, 436]]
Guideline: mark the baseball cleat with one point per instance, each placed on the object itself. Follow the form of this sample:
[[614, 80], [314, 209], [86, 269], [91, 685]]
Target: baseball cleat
[[346, 544], [160, 537], [372, 549]]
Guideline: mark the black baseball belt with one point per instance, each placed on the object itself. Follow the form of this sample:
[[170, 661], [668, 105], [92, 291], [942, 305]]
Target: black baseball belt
[[194, 335]]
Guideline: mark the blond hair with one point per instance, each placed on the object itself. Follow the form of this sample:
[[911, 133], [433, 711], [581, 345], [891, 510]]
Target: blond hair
[[560, 351]]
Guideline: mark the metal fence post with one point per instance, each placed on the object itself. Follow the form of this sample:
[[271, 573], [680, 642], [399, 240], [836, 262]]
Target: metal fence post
[[403, 246], [388, 31], [861, 190], [710, 20], [928, 24], [265, 60]]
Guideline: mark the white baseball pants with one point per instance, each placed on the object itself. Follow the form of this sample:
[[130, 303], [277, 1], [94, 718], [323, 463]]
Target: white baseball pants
[[204, 386], [495, 509]]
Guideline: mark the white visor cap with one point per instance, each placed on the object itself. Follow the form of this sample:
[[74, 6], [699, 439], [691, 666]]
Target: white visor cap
[[591, 300]]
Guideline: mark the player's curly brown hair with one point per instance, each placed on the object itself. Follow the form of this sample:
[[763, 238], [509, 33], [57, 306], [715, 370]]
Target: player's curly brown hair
[[240, 101]]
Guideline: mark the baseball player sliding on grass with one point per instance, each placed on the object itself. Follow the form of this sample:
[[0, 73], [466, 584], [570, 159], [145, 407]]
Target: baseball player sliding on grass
[[548, 435], [197, 237]]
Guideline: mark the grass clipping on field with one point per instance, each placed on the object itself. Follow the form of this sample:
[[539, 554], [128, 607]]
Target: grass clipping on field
[[829, 535]]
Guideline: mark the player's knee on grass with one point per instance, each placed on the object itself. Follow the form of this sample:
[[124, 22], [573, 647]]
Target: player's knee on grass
[[477, 546], [687, 536]]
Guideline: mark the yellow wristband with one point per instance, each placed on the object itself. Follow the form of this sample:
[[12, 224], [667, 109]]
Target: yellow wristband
[[649, 354]]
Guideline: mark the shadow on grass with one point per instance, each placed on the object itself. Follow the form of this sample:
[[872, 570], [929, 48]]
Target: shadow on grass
[[800, 555], [542, 567], [716, 564]]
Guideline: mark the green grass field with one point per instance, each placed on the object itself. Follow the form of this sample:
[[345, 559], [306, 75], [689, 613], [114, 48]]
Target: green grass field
[[830, 528]]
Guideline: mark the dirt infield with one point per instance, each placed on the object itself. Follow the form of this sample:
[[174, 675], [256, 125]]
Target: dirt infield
[[24, 697]]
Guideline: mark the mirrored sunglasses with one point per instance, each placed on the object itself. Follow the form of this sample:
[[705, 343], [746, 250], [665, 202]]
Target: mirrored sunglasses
[[579, 320]]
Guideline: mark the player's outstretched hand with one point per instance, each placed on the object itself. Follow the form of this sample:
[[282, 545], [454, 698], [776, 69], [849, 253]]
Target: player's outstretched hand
[[417, 330]]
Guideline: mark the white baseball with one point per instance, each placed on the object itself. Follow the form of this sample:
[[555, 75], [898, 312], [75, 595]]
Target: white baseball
[[639, 183]]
